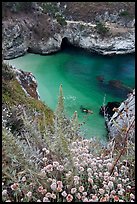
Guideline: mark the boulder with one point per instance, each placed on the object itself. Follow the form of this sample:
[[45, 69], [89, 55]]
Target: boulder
[[109, 108]]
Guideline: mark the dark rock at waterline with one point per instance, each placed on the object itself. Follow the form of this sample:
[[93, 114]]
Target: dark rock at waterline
[[109, 109]]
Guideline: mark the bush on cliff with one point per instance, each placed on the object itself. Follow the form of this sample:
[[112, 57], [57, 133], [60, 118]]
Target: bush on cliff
[[102, 29], [58, 165]]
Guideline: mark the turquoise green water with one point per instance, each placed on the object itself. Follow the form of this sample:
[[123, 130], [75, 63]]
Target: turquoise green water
[[77, 70]]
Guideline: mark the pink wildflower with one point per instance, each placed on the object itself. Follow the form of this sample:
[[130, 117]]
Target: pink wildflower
[[40, 188], [59, 189], [49, 168], [94, 198], [44, 191], [115, 174], [81, 189], [60, 184], [90, 180], [103, 199], [69, 198], [15, 186], [116, 198]]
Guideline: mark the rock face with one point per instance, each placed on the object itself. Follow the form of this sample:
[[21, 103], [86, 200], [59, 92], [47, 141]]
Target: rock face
[[109, 109], [40, 34], [27, 82], [124, 118]]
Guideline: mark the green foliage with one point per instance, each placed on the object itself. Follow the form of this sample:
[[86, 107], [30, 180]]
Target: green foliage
[[60, 106], [61, 20], [53, 10], [102, 29], [49, 8], [126, 14], [22, 6]]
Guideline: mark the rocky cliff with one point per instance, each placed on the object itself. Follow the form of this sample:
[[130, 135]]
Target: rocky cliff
[[123, 120], [40, 33]]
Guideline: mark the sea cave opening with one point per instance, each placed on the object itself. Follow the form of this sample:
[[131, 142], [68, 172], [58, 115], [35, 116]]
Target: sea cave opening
[[65, 43]]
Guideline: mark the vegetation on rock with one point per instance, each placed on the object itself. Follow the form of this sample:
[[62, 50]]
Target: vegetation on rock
[[56, 164]]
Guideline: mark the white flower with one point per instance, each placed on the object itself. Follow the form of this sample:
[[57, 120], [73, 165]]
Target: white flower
[[47, 151], [44, 149], [81, 168], [45, 199], [81, 189], [110, 184], [55, 164], [89, 170], [76, 178], [48, 195], [4, 192], [23, 179], [85, 200], [119, 185], [95, 187], [113, 192], [84, 193], [120, 192], [29, 194], [73, 190], [64, 194], [60, 168], [45, 159], [101, 191], [53, 196], [53, 186], [132, 196]]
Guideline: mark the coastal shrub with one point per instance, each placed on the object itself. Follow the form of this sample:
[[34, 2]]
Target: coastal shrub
[[59, 165], [102, 29], [126, 14], [61, 20], [49, 8]]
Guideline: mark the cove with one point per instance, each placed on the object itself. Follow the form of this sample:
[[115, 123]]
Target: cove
[[80, 72]]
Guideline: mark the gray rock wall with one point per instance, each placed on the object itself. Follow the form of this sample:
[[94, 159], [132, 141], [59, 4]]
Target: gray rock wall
[[19, 35], [123, 119]]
